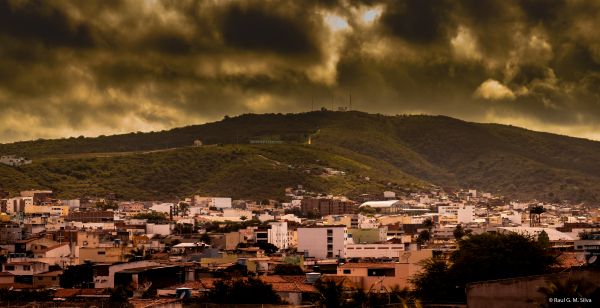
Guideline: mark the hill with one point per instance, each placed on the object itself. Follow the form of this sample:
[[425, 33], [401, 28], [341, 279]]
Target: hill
[[408, 151]]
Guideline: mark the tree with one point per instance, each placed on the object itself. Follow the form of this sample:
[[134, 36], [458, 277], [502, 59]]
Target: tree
[[183, 208], [423, 237], [428, 223], [366, 210], [243, 291], [570, 288], [459, 232], [331, 292], [288, 269], [543, 239], [242, 218], [267, 247], [78, 276], [485, 256], [119, 297], [434, 283], [153, 217]]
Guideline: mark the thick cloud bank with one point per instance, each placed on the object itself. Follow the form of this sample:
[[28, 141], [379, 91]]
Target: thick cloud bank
[[71, 68]]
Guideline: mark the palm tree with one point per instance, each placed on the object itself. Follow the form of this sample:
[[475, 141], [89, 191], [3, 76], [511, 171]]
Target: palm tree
[[570, 288]]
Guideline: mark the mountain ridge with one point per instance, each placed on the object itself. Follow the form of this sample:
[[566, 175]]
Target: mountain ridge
[[419, 150]]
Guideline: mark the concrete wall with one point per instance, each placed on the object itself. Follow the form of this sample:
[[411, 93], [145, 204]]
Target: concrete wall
[[519, 292]]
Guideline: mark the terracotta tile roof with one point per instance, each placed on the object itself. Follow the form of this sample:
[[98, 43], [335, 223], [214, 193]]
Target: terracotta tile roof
[[66, 293], [15, 285], [53, 247], [54, 273]]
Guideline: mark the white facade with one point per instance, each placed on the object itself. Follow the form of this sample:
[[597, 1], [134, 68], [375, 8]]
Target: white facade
[[162, 229], [72, 203], [231, 212], [162, 207], [513, 217], [389, 194], [366, 222], [465, 214], [220, 203], [278, 234], [374, 250], [322, 242]]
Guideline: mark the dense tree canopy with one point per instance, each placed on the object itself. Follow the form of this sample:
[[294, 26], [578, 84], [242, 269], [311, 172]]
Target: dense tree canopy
[[481, 257]]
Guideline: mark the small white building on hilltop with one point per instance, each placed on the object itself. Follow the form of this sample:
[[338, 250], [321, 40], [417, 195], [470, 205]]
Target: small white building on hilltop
[[14, 161]]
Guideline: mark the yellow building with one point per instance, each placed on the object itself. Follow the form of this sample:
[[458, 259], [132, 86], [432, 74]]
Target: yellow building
[[62, 210], [104, 254]]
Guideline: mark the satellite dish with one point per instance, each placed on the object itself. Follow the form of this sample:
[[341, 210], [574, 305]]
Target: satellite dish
[[592, 259]]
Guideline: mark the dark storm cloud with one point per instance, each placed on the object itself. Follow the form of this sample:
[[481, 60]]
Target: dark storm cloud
[[98, 67], [255, 28], [43, 21], [420, 21]]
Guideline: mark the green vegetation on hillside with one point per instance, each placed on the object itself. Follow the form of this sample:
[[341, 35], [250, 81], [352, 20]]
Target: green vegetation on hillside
[[401, 151], [243, 171]]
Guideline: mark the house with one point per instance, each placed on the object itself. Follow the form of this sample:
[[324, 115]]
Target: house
[[47, 280], [104, 274], [322, 242], [327, 206], [24, 271], [374, 250], [157, 276], [6, 278], [104, 254]]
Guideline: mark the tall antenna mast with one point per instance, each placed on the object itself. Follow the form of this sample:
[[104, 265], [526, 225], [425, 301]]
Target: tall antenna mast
[[332, 102], [350, 96]]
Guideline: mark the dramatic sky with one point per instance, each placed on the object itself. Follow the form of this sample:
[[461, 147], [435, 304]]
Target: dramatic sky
[[70, 68]]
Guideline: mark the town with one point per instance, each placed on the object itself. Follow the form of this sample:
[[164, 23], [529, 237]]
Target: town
[[152, 253]]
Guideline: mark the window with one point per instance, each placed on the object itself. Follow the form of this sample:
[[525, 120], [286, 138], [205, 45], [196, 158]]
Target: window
[[9, 267], [347, 271], [101, 252], [26, 267], [330, 247], [54, 278]]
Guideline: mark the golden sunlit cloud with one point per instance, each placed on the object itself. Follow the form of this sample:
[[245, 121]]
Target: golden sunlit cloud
[[493, 90]]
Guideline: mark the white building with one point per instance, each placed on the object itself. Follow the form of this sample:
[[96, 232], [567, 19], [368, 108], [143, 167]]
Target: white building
[[162, 207], [464, 213], [217, 202], [513, 217], [13, 160], [162, 229], [322, 242], [278, 234], [388, 206], [18, 204]]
